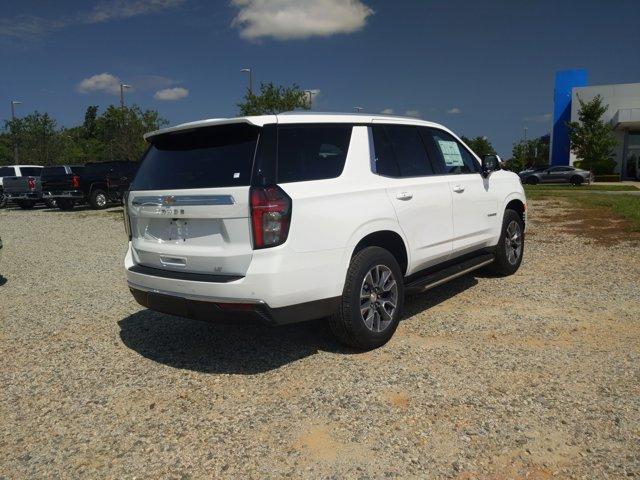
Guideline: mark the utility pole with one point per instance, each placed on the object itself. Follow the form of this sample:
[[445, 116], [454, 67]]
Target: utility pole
[[250, 72], [122, 87], [525, 133], [15, 139]]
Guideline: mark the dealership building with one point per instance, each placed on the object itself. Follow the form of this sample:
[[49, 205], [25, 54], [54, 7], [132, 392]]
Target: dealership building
[[623, 115]]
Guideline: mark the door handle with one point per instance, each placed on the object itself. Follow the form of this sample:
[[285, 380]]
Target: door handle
[[458, 189], [404, 196]]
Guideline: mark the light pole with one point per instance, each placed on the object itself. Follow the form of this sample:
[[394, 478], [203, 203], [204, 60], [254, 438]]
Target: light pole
[[15, 140], [122, 87], [250, 72], [358, 109]]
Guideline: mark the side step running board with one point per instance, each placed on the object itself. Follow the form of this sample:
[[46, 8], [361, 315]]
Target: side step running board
[[438, 277]]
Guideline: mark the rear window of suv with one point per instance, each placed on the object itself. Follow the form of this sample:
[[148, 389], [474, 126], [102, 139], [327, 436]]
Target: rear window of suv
[[219, 156], [311, 152]]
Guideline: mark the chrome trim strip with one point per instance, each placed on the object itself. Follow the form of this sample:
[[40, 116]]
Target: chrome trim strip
[[189, 296], [456, 275], [181, 200]]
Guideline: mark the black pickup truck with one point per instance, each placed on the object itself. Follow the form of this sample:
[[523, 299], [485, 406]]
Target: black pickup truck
[[96, 184]]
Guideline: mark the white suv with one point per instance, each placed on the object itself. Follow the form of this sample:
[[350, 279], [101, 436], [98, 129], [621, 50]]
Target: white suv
[[302, 216]]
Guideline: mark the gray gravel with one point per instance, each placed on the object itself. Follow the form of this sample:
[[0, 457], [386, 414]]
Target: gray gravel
[[533, 376]]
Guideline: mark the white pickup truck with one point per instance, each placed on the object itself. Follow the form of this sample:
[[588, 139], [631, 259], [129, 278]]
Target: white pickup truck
[[306, 215], [17, 171]]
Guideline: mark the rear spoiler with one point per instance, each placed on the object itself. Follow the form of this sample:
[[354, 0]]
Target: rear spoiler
[[199, 124]]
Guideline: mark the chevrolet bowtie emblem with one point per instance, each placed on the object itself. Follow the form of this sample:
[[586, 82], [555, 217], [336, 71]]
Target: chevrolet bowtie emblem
[[168, 200]]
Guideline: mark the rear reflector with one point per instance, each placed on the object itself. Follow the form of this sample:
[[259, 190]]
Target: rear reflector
[[270, 216]]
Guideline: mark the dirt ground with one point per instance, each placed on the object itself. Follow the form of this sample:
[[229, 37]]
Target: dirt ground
[[534, 376]]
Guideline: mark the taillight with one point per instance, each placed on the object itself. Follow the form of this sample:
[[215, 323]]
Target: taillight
[[31, 183], [125, 210], [270, 216], [75, 181]]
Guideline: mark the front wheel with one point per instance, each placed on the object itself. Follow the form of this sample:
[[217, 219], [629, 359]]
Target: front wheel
[[98, 199], [576, 180], [533, 180], [372, 300], [510, 246]]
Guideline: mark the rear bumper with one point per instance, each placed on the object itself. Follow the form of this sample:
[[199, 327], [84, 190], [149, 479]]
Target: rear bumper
[[75, 194], [23, 195], [280, 285], [233, 312]]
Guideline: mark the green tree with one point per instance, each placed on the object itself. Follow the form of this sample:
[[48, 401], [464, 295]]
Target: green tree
[[529, 153], [6, 148], [591, 138], [274, 99], [89, 126], [37, 137], [481, 146], [121, 132]]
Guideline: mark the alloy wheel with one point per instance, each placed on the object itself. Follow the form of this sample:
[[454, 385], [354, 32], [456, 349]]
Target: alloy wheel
[[513, 242], [378, 298]]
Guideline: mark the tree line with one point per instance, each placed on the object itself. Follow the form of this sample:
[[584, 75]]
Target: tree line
[[116, 134]]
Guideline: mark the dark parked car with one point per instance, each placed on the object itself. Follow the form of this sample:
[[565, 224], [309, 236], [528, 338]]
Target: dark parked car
[[558, 174], [96, 184]]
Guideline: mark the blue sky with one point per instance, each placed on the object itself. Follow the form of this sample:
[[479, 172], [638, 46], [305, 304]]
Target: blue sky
[[481, 68]]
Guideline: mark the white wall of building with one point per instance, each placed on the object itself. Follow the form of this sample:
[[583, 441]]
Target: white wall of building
[[618, 97]]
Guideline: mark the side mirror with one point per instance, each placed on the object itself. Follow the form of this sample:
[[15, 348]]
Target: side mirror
[[490, 163]]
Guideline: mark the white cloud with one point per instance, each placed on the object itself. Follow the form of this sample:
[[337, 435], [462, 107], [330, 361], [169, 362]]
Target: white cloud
[[103, 82], [412, 113], [454, 111], [544, 118], [387, 111], [31, 27], [171, 94], [295, 19]]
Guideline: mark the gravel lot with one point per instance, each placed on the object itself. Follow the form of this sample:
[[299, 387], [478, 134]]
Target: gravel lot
[[533, 376]]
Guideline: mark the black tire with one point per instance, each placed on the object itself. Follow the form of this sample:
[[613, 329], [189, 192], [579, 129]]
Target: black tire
[[26, 204], [504, 264], [65, 204], [3, 200], [98, 199], [533, 180], [576, 180], [348, 324]]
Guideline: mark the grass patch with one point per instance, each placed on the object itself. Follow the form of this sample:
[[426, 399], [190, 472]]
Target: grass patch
[[626, 206], [581, 188]]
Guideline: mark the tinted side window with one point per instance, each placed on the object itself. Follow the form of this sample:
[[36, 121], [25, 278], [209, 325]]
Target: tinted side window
[[30, 171], [400, 151], [7, 172], [77, 170], [312, 152], [456, 159]]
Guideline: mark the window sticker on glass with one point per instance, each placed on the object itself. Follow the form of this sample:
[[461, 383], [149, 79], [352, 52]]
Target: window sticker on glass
[[451, 153]]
